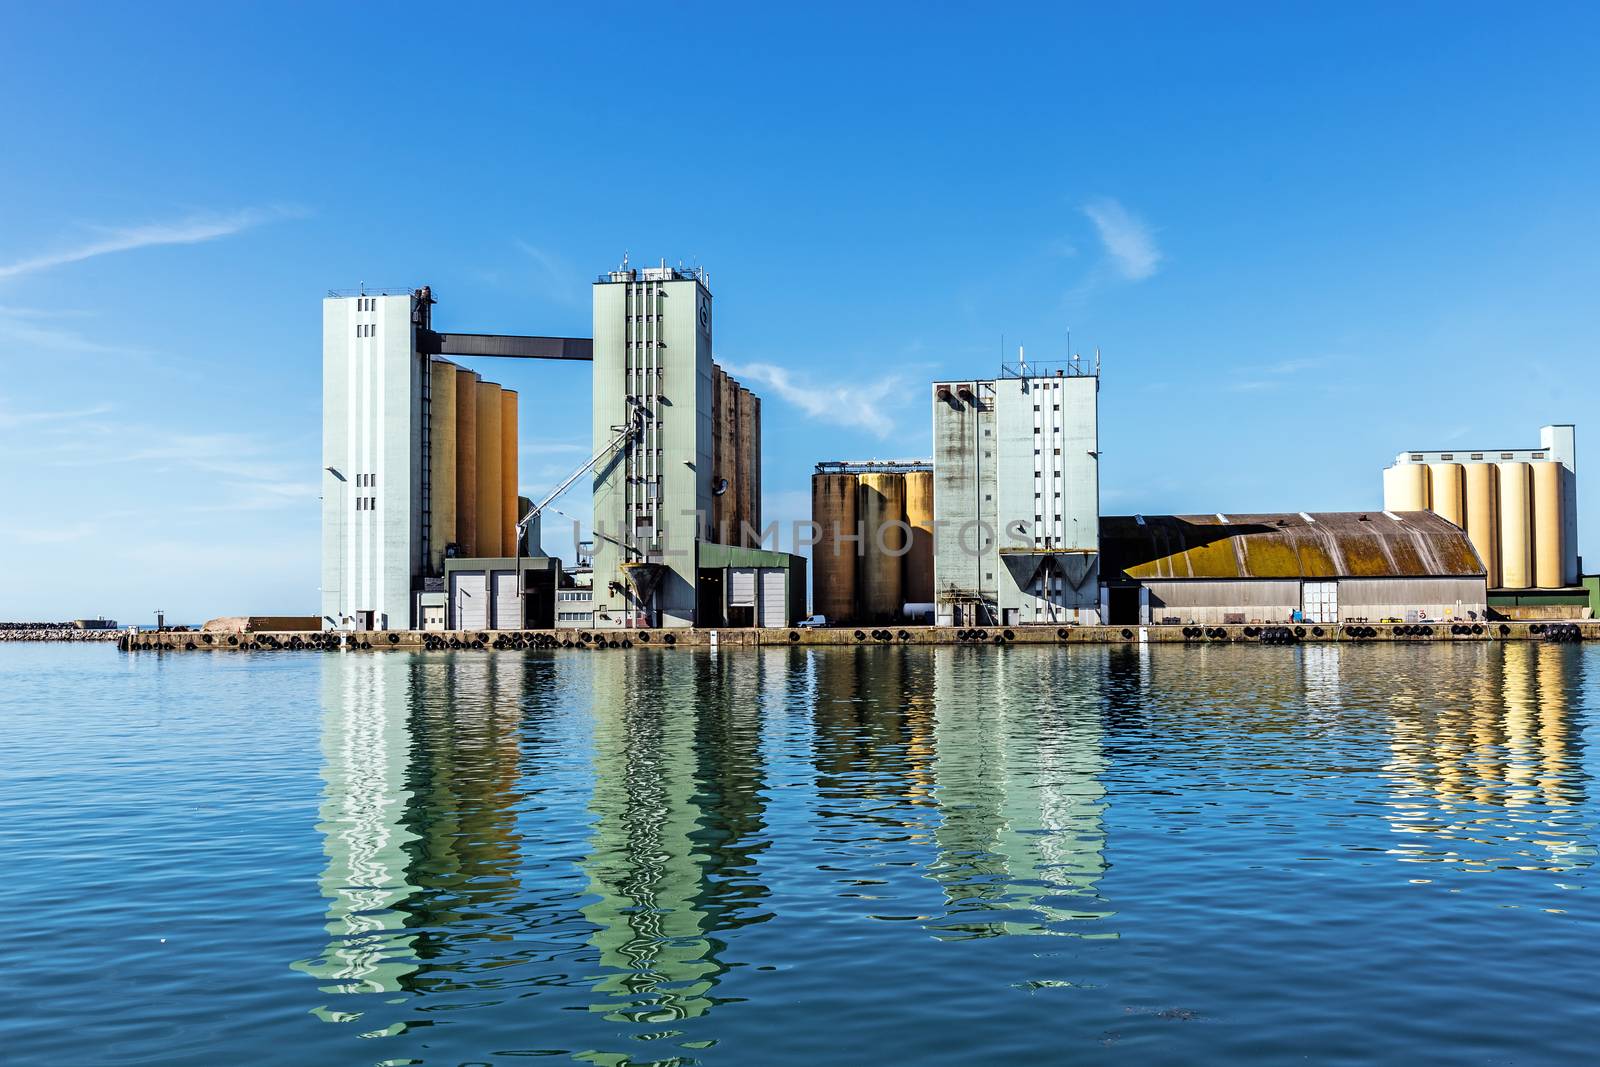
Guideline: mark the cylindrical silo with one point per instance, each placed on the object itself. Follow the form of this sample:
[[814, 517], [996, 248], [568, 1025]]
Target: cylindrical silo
[[918, 578], [466, 462], [1482, 495], [441, 462], [1549, 525], [881, 505], [833, 559], [1446, 492], [490, 489], [508, 472], [1516, 526], [1405, 487]]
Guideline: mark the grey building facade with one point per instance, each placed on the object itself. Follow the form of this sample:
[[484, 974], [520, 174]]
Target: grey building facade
[[652, 362], [373, 478], [1016, 498]]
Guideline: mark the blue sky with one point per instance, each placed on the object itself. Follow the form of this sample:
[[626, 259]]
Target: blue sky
[[1303, 242]]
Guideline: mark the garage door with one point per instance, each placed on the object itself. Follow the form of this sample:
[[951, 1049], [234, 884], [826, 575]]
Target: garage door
[[1320, 602], [774, 595], [507, 605], [741, 587], [469, 602]]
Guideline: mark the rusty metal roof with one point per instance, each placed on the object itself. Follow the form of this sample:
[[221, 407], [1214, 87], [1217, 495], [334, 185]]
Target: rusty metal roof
[[1342, 544]]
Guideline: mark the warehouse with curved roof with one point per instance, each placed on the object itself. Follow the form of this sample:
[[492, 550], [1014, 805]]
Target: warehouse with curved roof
[[1326, 567]]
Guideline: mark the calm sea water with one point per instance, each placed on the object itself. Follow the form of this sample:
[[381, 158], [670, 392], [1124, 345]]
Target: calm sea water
[[1342, 855]]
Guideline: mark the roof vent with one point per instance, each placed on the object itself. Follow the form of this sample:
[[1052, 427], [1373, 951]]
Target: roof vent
[[1139, 519], [1306, 515], [1393, 516], [1363, 518], [1221, 517]]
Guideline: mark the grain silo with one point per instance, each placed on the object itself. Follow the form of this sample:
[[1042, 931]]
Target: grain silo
[[490, 488], [918, 578], [441, 462], [1405, 487], [466, 462], [1516, 551], [1447, 493], [881, 505], [1549, 526], [508, 472], [1482, 495], [833, 557]]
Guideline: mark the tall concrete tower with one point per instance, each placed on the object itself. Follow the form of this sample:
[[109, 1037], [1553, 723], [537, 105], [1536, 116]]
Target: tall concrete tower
[[652, 361], [374, 474]]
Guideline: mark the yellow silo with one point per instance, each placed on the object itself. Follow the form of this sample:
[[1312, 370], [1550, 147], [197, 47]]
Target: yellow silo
[[1516, 526], [1405, 487], [918, 579], [1549, 526], [508, 472], [1446, 492], [490, 489], [881, 505], [833, 559], [441, 462], [466, 462], [1482, 494]]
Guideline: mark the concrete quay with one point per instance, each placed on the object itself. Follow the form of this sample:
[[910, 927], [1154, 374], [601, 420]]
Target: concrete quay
[[592, 640]]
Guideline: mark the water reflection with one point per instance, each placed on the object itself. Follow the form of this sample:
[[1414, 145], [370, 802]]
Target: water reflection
[[366, 762], [614, 844], [1021, 834], [1485, 762]]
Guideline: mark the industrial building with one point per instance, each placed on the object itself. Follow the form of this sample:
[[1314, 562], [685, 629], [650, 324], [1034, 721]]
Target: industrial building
[[686, 476], [1519, 506], [423, 526], [1016, 496], [1322, 567], [872, 555]]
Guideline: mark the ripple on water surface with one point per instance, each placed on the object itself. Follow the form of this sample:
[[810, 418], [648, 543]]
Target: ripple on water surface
[[936, 855]]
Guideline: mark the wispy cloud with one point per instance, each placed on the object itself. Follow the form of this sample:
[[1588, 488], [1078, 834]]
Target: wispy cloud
[[859, 404], [192, 230], [38, 420], [1260, 378], [24, 329], [555, 276], [1128, 240]]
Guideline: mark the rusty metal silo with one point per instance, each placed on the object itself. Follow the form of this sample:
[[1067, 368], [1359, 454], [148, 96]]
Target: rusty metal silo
[[881, 504], [508, 472], [918, 577], [490, 489], [833, 561], [467, 461], [441, 461]]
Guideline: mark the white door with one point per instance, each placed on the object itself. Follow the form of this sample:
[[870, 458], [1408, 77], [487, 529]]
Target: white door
[[507, 605], [469, 602], [774, 596], [741, 587], [1319, 602]]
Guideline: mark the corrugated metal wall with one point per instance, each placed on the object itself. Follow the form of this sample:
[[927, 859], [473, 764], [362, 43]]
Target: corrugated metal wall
[[1380, 598], [1209, 601]]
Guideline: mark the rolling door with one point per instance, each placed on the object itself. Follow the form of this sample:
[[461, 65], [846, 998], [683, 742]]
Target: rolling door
[[741, 587], [469, 601], [774, 594], [507, 605], [1320, 602]]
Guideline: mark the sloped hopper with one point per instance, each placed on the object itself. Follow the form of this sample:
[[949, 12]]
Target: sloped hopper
[[644, 577], [1073, 564]]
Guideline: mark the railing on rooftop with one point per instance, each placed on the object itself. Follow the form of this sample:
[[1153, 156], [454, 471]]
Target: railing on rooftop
[[874, 466], [374, 290], [1077, 367]]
